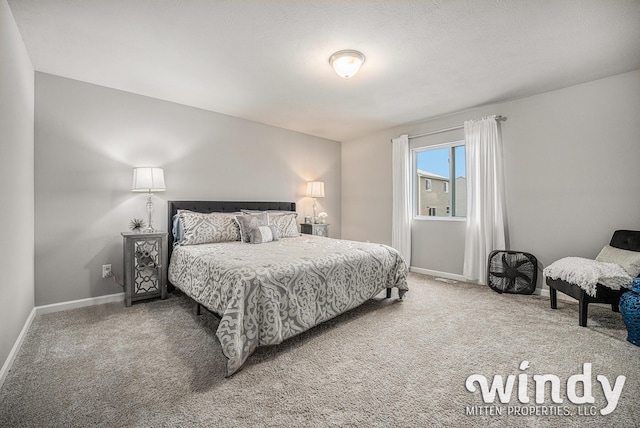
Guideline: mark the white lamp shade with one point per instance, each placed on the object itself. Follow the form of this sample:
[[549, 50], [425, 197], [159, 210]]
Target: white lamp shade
[[315, 189], [346, 63], [148, 179]]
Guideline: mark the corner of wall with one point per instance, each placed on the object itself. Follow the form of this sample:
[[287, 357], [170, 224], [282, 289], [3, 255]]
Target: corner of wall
[[17, 108]]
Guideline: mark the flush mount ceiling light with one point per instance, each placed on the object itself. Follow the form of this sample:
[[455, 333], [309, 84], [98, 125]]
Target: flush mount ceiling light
[[346, 63]]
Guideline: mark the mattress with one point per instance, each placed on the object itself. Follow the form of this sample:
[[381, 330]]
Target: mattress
[[267, 293]]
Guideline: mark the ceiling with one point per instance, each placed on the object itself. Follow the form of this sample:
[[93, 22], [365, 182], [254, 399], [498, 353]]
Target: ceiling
[[267, 60]]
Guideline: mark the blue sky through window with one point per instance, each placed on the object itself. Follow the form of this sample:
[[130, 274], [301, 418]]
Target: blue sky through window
[[437, 161]]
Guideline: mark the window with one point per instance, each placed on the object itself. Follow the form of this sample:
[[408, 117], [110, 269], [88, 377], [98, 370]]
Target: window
[[440, 180]]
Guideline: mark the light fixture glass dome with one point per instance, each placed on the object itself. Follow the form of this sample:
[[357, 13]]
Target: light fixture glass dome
[[346, 63]]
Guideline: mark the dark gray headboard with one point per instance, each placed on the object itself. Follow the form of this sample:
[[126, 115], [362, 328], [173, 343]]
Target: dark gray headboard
[[219, 206]]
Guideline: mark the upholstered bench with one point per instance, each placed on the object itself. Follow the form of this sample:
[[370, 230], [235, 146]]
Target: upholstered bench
[[626, 240]]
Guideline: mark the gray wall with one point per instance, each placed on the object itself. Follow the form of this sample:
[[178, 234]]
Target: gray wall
[[87, 140], [571, 160], [16, 182]]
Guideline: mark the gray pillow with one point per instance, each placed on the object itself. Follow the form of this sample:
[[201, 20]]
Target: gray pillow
[[248, 221], [629, 260], [261, 234]]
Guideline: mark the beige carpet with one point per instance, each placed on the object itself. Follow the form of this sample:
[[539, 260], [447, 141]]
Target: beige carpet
[[387, 363]]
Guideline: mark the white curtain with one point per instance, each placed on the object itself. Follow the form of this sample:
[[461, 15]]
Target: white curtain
[[401, 218], [486, 214]]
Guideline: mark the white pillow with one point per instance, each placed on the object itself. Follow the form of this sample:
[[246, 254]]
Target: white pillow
[[629, 260], [285, 224]]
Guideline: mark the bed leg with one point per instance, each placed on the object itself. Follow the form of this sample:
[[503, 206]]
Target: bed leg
[[553, 294], [388, 293]]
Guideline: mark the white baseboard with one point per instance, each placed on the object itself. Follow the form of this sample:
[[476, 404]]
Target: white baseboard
[[47, 309], [16, 347], [543, 292], [74, 304], [438, 274], [561, 296], [539, 291]]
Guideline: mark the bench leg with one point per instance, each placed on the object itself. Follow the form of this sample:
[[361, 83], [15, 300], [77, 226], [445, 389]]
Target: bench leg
[[615, 307], [198, 309], [582, 309], [553, 294], [388, 293]]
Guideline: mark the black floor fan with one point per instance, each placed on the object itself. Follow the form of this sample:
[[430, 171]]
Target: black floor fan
[[514, 272]]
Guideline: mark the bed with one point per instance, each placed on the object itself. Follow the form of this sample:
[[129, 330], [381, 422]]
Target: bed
[[266, 293]]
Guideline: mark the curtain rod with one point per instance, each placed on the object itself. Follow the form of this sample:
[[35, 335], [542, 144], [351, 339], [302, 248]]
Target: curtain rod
[[438, 131]]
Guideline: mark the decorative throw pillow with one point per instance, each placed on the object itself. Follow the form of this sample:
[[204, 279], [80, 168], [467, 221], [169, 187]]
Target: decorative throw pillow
[[285, 223], [201, 228], [247, 221], [261, 234], [629, 260], [177, 230]]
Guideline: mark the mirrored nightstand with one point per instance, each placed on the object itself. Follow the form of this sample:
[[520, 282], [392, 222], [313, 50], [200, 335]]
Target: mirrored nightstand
[[318, 229], [144, 259]]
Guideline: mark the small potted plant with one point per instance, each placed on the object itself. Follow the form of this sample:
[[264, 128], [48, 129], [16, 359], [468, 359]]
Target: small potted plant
[[322, 217], [136, 224]]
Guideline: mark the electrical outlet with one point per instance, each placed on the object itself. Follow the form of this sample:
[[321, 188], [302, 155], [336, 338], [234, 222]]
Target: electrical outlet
[[106, 271]]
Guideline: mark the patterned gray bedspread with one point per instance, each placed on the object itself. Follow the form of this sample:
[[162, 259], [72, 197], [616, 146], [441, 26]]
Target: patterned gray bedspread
[[270, 292]]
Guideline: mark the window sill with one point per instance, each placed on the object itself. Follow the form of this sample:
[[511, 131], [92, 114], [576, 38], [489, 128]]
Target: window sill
[[436, 218]]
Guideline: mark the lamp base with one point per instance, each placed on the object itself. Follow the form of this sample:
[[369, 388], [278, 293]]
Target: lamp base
[[149, 227], [315, 209]]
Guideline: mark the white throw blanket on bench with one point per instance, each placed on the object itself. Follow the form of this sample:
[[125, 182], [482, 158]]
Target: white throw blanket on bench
[[587, 273]]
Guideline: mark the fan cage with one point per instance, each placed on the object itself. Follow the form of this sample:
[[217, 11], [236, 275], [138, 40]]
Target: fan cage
[[514, 272]]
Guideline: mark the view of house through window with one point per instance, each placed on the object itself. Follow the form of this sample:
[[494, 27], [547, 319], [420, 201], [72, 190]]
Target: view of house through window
[[440, 180]]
